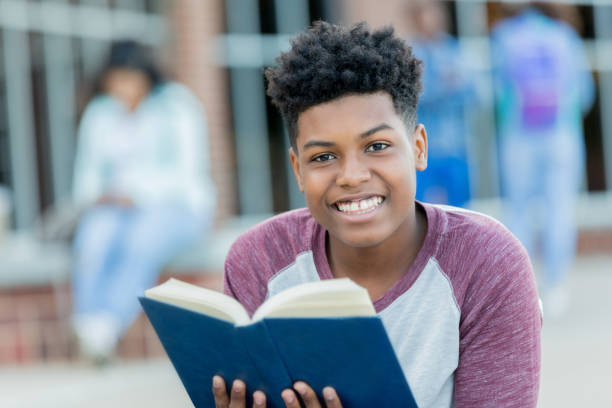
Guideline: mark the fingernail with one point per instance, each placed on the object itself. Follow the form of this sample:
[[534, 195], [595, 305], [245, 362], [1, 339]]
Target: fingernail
[[237, 386], [258, 398], [289, 397], [329, 394], [301, 388], [216, 382]]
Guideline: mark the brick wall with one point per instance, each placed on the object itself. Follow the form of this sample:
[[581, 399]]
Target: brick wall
[[35, 325], [595, 241], [194, 25], [29, 328]]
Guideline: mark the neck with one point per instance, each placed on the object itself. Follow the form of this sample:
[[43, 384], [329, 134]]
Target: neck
[[378, 267]]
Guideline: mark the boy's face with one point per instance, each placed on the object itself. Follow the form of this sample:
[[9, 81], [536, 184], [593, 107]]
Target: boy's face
[[355, 164]]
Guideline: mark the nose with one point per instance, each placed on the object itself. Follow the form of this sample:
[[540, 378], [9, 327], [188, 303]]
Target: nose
[[352, 172]]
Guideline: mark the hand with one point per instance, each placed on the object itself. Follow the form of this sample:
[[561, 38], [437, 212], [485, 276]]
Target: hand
[[238, 395], [310, 397]]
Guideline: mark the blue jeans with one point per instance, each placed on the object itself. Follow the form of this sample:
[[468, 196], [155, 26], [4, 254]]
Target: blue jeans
[[541, 177], [445, 181], [119, 252]]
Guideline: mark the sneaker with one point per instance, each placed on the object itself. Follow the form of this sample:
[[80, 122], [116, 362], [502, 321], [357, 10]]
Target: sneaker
[[97, 335]]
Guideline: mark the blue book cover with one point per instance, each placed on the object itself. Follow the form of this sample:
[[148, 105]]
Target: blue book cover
[[351, 354]]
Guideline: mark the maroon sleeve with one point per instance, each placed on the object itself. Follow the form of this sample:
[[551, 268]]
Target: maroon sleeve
[[500, 326], [241, 280], [262, 251]]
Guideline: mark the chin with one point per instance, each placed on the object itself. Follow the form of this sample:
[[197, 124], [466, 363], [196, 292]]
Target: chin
[[360, 240]]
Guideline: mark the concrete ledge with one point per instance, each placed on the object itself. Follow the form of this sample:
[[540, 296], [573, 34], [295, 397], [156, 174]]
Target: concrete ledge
[[209, 254], [26, 261], [592, 210], [593, 217]]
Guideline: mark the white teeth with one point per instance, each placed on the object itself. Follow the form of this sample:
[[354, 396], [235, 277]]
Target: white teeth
[[360, 206]]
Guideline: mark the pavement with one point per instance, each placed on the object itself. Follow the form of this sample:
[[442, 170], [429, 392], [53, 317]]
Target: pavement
[[576, 362], [577, 348], [151, 384]]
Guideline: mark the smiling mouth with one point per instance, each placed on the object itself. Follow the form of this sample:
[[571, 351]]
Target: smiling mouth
[[357, 207]]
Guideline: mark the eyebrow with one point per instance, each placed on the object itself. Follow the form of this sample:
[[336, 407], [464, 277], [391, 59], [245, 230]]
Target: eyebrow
[[382, 126], [369, 132]]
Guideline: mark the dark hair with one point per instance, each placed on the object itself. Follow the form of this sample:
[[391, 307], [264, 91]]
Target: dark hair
[[329, 61], [129, 54]]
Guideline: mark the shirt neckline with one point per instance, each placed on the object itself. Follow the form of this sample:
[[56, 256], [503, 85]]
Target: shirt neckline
[[428, 249]]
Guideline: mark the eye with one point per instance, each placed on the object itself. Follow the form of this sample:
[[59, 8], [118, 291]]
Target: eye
[[323, 157], [378, 146]]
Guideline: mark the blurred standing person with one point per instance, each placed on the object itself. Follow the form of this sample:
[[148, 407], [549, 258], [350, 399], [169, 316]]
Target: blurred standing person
[[141, 173], [447, 92], [543, 88]]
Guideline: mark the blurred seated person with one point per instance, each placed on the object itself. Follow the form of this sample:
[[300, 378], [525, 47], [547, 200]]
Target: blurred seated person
[[141, 174]]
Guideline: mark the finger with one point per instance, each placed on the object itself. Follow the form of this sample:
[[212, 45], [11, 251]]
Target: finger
[[307, 394], [220, 393], [331, 398], [238, 395], [259, 399], [290, 399]]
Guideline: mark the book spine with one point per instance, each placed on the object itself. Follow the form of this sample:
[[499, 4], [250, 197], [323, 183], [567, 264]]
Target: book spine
[[266, 359]]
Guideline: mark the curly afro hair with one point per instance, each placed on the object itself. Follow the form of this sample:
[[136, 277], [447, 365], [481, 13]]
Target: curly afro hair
[[329, 61]]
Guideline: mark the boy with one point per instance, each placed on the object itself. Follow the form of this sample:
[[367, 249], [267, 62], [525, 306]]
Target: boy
[[455, 290]]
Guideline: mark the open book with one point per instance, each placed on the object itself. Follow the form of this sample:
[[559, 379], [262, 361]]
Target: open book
[[324, 333], [335, 297]]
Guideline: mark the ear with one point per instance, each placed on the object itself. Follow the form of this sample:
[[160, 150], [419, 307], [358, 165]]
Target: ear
[[419, 143], [295, 165]]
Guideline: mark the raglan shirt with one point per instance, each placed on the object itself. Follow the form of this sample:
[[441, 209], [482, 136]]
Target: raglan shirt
[[464, 319]]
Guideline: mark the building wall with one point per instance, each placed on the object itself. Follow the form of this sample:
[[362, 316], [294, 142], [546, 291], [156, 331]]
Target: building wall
[[194, 27], [377, 14]]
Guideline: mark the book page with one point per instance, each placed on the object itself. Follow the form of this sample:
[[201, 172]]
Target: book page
[[326, 298], [198, 299]]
